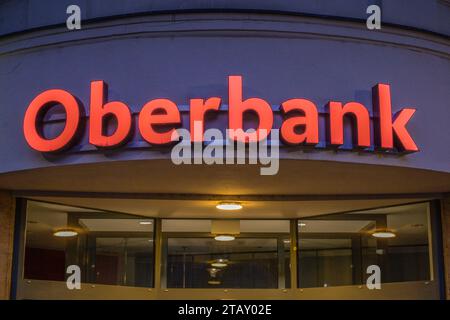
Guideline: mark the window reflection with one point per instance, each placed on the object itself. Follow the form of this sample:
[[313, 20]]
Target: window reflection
[[336, 250], [333, 250], [194, 259], [113, 249]]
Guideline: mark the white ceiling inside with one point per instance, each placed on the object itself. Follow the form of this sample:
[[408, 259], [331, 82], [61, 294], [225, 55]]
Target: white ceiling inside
[[409, 221], [183, 209]]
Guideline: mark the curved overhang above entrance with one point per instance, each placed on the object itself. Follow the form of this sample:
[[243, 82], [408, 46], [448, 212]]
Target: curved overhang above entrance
[[297, 180]]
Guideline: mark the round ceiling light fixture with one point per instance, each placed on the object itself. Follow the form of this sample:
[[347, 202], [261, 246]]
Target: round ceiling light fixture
[[384, 234], [224, 237], [229, 206], [219, 263], [65, 233]]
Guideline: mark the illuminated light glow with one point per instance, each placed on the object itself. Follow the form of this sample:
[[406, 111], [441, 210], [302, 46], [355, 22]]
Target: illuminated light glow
[[385, 234], [224, 237], [302, 224], [214, 282], [145, 222], [229, 206], [65, 233], [159, 119], [220, 263], [213, 271]]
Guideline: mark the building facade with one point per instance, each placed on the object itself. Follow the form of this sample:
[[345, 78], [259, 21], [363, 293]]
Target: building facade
[[350, 183]]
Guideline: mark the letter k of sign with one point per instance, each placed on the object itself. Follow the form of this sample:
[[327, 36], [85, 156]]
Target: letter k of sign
[[391, 129]]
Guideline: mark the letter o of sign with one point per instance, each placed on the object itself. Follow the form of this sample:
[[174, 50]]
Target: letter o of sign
[[35, 110]]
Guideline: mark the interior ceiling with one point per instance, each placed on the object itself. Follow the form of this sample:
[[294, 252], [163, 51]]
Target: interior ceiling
[[333, 226], [295, 177], [206, 209], [408, 221], [115, 225]]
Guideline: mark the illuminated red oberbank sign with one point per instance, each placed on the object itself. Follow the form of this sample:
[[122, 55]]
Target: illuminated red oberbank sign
[[160, 117]]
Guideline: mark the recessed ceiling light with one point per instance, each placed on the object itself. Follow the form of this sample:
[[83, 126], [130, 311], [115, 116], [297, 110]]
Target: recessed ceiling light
[[145, 222], [385, 234], [65, 233], [229, 206], [224, 237], [301, 224], [220, 263]]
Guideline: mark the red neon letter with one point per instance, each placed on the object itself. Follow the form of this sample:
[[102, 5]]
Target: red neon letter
[[381, 95], [237, 107], [310, 121], [336, 126], [197, 115], [34, 113], [99, 111], [168, 115]]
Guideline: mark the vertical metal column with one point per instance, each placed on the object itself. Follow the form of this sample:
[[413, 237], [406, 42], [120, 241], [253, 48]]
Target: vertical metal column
[[158, 253], [436, 243], [163, 263], [17, 273], [357, 266], [293, 258], [281, 265]]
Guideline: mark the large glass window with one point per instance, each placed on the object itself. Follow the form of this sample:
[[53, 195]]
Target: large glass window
[[336, 250], [109, 248], [251, 254], [118, 249]]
